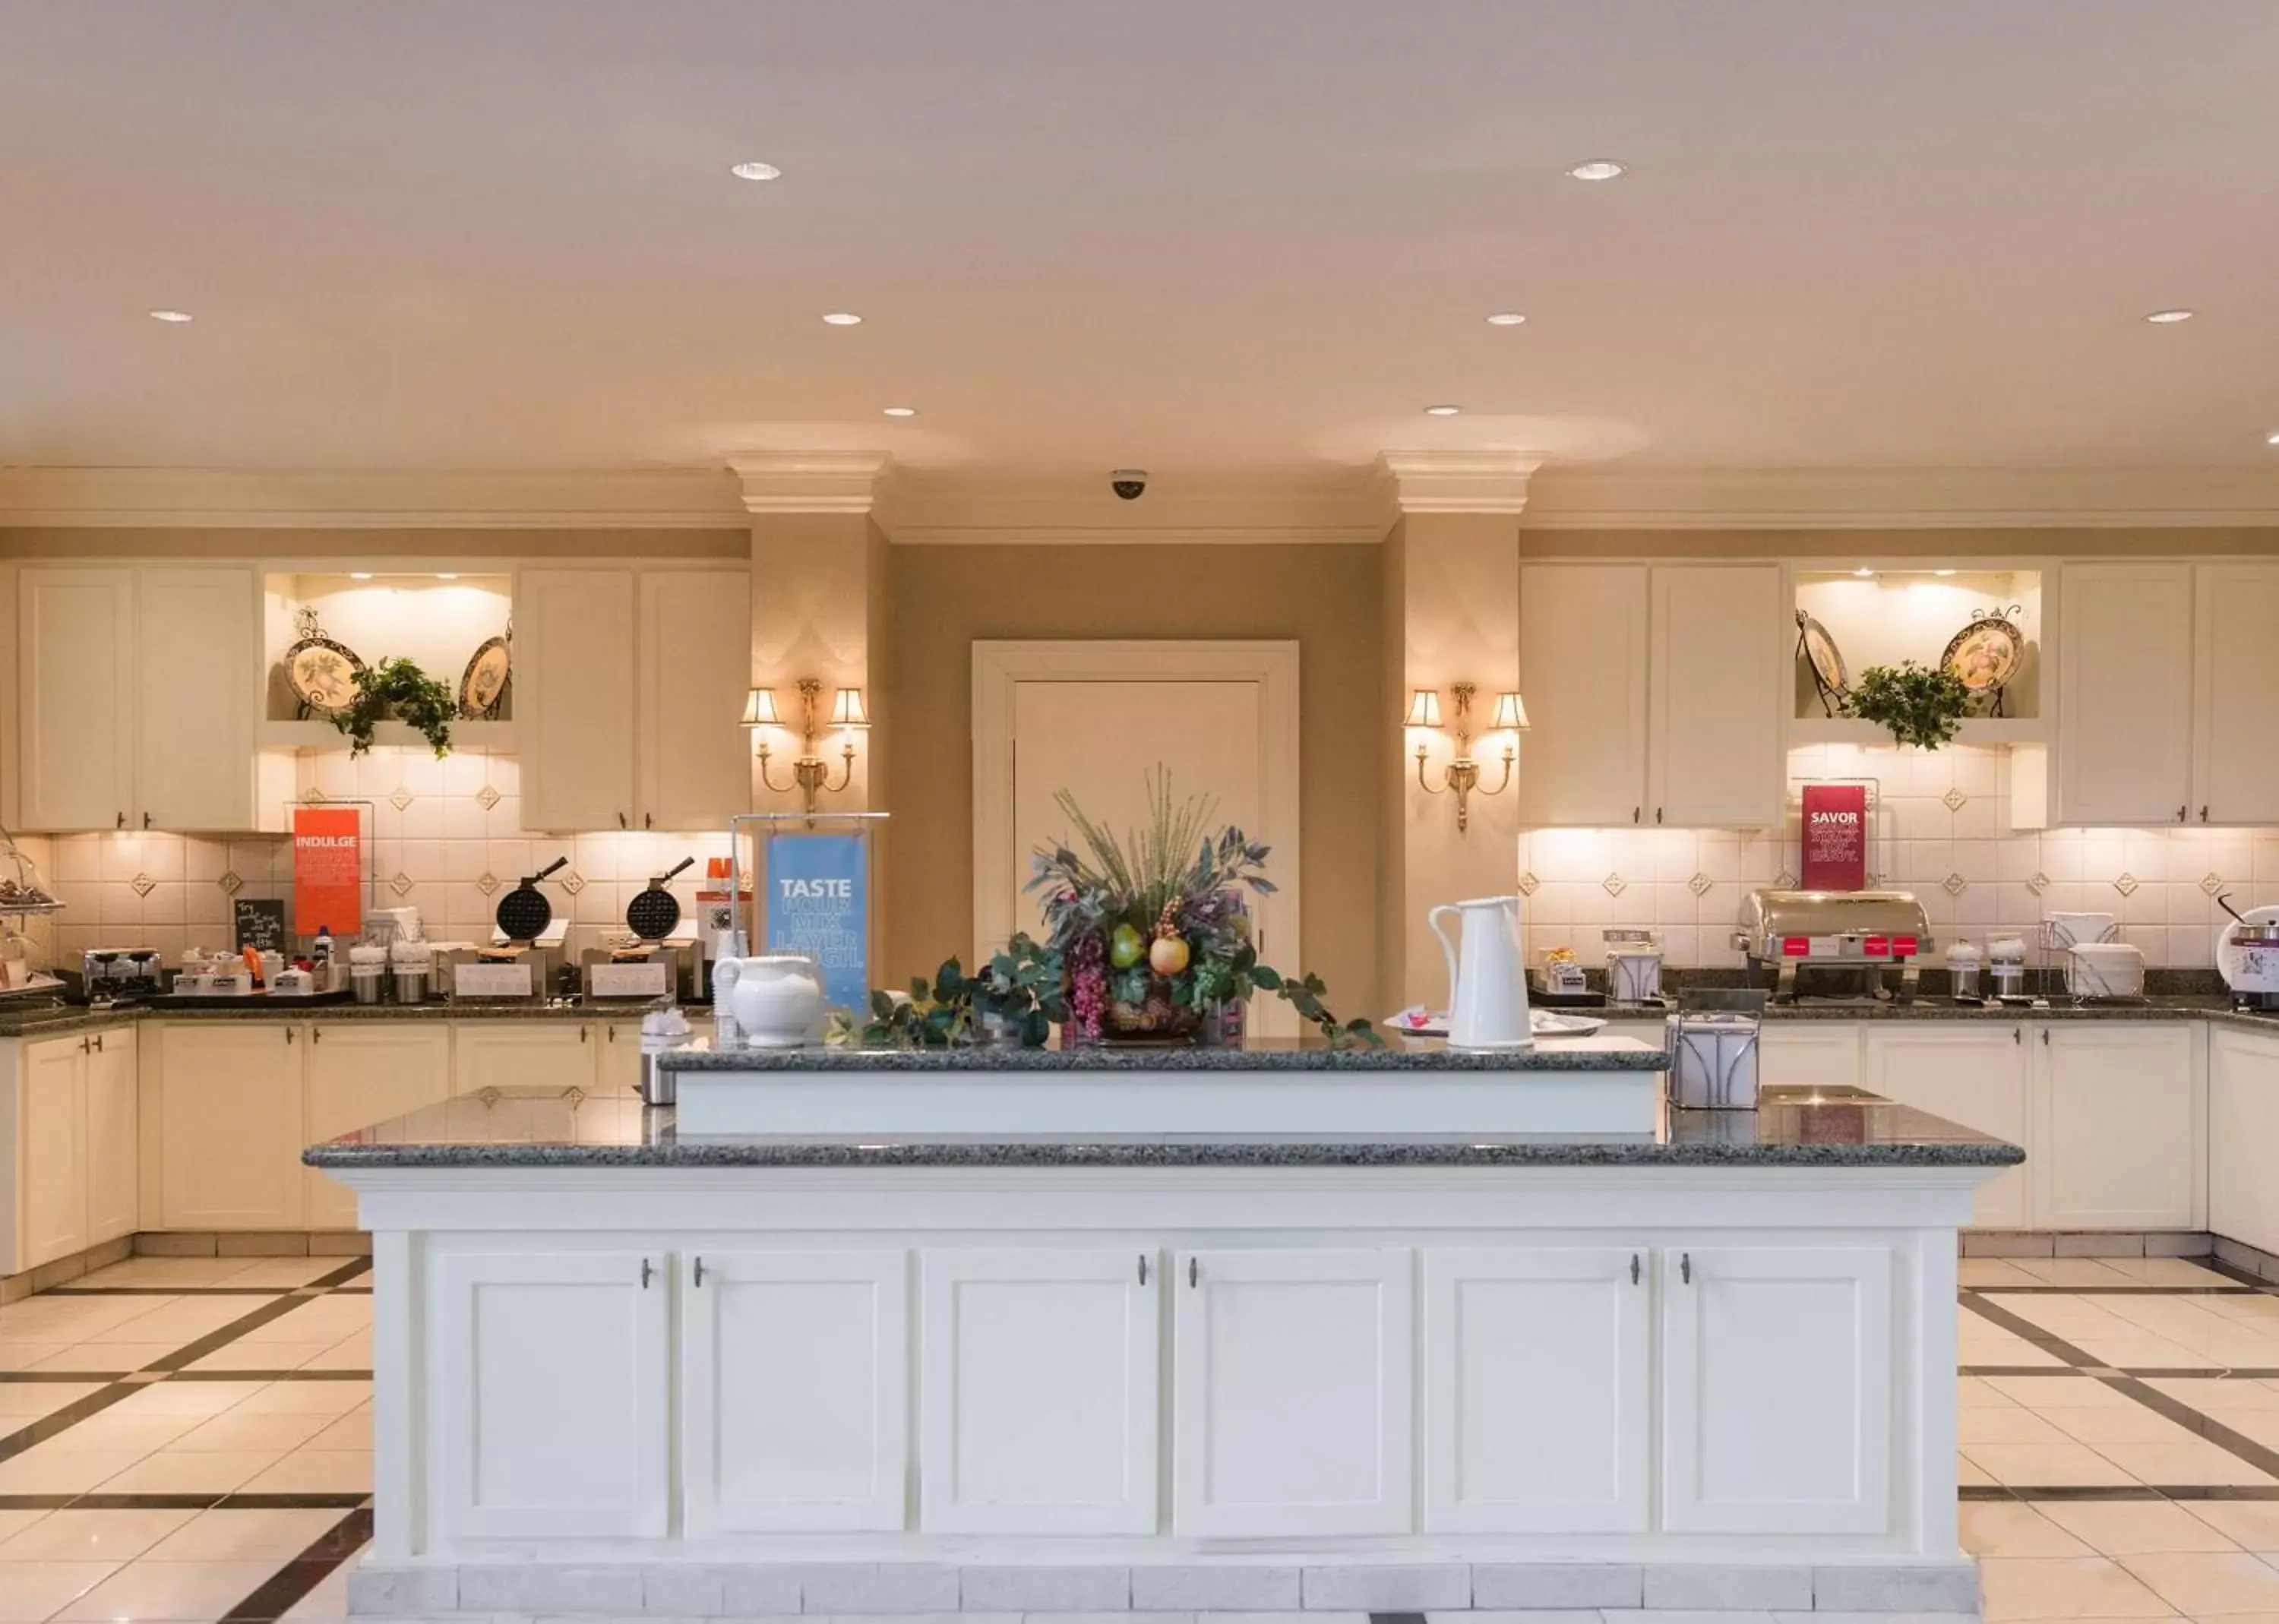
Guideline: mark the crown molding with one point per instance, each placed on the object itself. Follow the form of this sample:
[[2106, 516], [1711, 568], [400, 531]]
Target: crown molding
[[1902, 499], [811, 481], [334, 499], [1459, 481], [1249, 508]]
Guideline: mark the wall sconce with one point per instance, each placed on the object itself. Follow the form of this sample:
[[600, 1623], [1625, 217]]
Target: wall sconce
[[810, 774], [1462, 775]]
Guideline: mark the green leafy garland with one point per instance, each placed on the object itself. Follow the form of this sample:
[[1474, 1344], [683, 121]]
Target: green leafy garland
[[1922, 705], [400, 689]]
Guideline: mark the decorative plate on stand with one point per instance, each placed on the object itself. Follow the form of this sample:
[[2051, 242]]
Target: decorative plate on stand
[[1986, 654], [489, 677], [1825, 661], [321, 672]]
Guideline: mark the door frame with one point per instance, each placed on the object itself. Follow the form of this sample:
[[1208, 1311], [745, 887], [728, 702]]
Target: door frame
[[999, 668]]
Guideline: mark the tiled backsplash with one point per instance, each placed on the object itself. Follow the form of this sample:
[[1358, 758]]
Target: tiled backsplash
[[1940, 828], [446, 837]]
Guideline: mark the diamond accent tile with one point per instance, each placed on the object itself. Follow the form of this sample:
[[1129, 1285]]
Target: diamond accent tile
[[1615, 885], [486, 797], [2126, 884], [143, 884], [315, 798], [402, 799], [1955, 800], [1784, 881], [1699, 884], [573, 882], [1528, 884], [401, 884], [230, 884], [486, 882], [1954, 885], [2211, 882], [2038, 883]]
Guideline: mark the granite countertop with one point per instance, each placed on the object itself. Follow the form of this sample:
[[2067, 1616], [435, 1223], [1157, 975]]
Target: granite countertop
[[48, 1020], [2185, 1007], [525, 1128], [1591, 1054]]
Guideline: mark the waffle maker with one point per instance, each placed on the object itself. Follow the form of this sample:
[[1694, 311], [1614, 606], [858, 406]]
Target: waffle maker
[[649, 961], [526, 945]]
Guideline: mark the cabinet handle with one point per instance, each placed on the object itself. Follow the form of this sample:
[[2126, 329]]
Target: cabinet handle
[[2180, 814], [585, 1033], [316, 1034], [83, 1045], [2016, 1035], [1634, 814], [622, 823], [612, 1031], [2045, 1037], [288, 1034], [1634, 1268], [649, 820], [1685, 1266], [122, 819], [700, 1271], [99, 1043], [1192, 1272], [146, 819], [2204, 815], [1143, 1268], [645, 1274], [1657, 815]]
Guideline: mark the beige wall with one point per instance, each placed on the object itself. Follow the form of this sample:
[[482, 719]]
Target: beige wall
[[1326, 597]]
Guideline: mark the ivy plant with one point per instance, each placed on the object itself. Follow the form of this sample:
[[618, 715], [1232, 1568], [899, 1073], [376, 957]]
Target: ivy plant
[[1922, 705], [399, 689]]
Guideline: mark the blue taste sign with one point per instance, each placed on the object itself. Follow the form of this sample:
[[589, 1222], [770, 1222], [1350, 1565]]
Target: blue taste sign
[[818, 904]]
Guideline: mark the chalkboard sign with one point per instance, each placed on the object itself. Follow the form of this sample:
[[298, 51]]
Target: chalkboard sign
[[260, 923]]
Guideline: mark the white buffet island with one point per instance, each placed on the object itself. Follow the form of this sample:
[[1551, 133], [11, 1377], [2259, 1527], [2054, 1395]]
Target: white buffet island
[[622, 1367]]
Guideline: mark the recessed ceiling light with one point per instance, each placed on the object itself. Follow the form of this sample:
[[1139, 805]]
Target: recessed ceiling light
[[900, 411], [1506, 319], [2271, 439], [755, 171], [2165, 318], [1597, 169], [172, 316], [1442, 411], [843, 318], [359, 575]]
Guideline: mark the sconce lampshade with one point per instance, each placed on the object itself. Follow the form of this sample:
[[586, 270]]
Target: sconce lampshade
[[846, 711], [1510, 713], [760, 709], [1424, 709]]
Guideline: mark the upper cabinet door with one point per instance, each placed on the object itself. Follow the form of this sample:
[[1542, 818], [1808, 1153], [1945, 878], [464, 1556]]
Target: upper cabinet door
[[574, 698], [2235, 745], [1292, 1388], [77, 667], [196, 695], [2125, 692], [695, 669], [1721, 664], [1582, 637]]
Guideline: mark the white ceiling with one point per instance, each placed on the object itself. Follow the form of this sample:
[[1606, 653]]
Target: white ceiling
[[1186, 234]]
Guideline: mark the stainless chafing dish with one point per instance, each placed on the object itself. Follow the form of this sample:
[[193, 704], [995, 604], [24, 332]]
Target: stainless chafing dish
[[1845, 936]]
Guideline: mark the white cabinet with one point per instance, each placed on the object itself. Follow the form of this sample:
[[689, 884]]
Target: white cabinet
[[52, 1114], [1583, 666], [76, 665], [2236, 729], [1970, 1072], [140, 688], [358, 1074], [1292, 1388], [551, 1412], [794, 1391], [114, 1149], [2242, 1126], [1776, 1385], [1038, 1390], [1720, 666], [574, 699], [629, 686], [1654, 694], [1538, 1405], [2117, 1125], [2125, 692], [521, 1055], [1809, 1054], [229, 1110], [695, 755]]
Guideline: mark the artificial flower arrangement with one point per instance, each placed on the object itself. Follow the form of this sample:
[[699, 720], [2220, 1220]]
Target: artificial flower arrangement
[[1152, 930]]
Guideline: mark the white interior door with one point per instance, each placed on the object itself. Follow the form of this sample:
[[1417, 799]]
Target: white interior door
[[1096, 719]]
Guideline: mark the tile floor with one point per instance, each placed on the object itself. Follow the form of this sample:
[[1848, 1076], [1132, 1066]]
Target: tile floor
[[2120, 1439], [186, 1439]]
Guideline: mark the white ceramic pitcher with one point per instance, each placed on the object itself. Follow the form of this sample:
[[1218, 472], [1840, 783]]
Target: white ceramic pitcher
[[776, 998], [1487, 978]]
